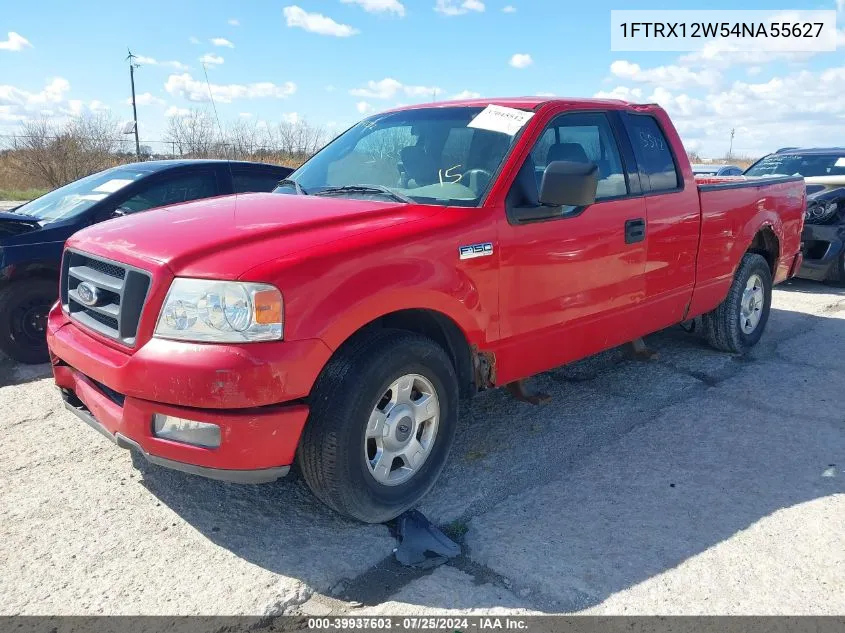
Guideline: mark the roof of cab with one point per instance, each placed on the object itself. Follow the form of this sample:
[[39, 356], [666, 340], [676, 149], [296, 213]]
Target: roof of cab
[[530, 103]]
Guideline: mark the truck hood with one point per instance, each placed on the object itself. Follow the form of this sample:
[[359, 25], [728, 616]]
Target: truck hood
[[224, 237]]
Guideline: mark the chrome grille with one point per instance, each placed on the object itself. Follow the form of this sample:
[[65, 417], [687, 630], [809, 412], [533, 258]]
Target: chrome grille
[[119, 291]]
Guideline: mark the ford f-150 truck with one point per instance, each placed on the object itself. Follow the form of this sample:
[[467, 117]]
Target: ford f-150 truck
[[425, 254]]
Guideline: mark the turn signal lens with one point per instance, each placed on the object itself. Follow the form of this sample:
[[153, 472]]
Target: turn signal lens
[[267, 305]]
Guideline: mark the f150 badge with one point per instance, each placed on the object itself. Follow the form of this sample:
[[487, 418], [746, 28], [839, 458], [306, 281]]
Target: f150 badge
[[471, 251]]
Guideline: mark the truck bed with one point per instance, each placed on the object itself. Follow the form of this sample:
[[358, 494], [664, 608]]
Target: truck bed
[[733, 210]]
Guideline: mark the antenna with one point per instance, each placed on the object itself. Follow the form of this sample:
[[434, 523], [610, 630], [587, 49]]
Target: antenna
[[132, 66], [219, 127]]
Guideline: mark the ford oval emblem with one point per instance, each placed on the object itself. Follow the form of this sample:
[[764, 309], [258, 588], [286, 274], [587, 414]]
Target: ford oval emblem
[[87, 294]]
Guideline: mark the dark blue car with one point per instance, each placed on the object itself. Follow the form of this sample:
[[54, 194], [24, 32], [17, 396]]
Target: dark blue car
[[32, 236]]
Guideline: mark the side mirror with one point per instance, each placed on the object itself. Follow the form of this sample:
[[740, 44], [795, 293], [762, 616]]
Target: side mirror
[[567, 183]]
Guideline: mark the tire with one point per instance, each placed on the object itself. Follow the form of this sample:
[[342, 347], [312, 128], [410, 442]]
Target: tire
[[335, 455], [23, 319], [725, 327]]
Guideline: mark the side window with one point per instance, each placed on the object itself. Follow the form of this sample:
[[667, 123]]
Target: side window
[[652, 151], [583, 137], [182, 188], [246, 182]]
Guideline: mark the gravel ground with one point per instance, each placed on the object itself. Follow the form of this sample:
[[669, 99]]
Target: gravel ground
[[8, 204], [699, 483]]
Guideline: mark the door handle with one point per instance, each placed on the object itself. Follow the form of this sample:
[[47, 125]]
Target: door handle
[[634, 231]]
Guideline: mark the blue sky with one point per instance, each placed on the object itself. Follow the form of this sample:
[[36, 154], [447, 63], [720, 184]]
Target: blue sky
[[330, 61]]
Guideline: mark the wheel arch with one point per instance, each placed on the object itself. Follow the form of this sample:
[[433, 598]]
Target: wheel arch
[[766, 243], [437, 326]]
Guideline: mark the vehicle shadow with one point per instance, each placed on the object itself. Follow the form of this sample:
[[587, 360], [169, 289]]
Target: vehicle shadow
[[631, 470], [14, 373], [812, 287]]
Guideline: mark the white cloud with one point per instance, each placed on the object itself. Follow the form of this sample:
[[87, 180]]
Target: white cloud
[[18, 105], [290, 117], [234, 22], [752, 71], [624, 93], [54, 92], [800, 108], [174, 111], [330, 88], [840, 6], [297, 17], [388, 88], [194, 40], [193, 90], [152, 61], [521, 60], [454, 7], [512, 9], [379, 6], [668, 76], [14, 42], [222, 41], [546, 94], [364, 107], [466, 94], [145, 99], [246, 115], [211, 59]]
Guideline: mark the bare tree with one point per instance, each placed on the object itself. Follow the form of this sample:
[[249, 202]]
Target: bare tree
[[54, 154], [193, 135]]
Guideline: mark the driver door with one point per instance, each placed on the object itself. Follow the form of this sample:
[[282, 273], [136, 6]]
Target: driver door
[[572, 282]]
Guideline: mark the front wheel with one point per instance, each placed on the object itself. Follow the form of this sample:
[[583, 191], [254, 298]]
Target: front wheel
[[738, 323], [382, 421], [23, 319]]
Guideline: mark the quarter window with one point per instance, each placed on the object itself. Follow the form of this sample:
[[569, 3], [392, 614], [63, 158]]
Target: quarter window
[[653, 153]]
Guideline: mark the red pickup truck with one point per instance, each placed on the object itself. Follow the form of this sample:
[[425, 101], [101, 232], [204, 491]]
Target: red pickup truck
[[425, 254]]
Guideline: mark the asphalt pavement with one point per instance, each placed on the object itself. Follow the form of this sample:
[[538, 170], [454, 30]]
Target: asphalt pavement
[[697, 483]]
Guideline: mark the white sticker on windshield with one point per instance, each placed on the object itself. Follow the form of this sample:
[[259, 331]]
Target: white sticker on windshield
[[500, 119], [840, 162], [115, 184]]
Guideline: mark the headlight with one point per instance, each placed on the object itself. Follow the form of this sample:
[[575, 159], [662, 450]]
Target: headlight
[[221, 312]]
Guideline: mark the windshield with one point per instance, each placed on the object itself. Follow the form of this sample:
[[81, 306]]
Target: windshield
[[806, 165], [429, 155], [79, 196]]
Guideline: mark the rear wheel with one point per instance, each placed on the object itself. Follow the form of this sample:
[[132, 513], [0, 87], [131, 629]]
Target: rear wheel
[[23, 319], [738, 323], [382, 421]]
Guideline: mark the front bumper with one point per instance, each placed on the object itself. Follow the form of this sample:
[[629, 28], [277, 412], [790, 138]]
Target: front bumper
[[258, 445], [824, 245], [238, 388]]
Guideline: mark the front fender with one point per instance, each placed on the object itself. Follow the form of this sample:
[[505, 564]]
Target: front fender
[[380, 289]]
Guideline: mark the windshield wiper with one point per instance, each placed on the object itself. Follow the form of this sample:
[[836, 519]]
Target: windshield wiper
[[296, 186], [366, 189]]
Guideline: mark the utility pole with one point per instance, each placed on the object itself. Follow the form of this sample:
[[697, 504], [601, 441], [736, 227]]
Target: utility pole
[[132, 67], [731, 150]]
